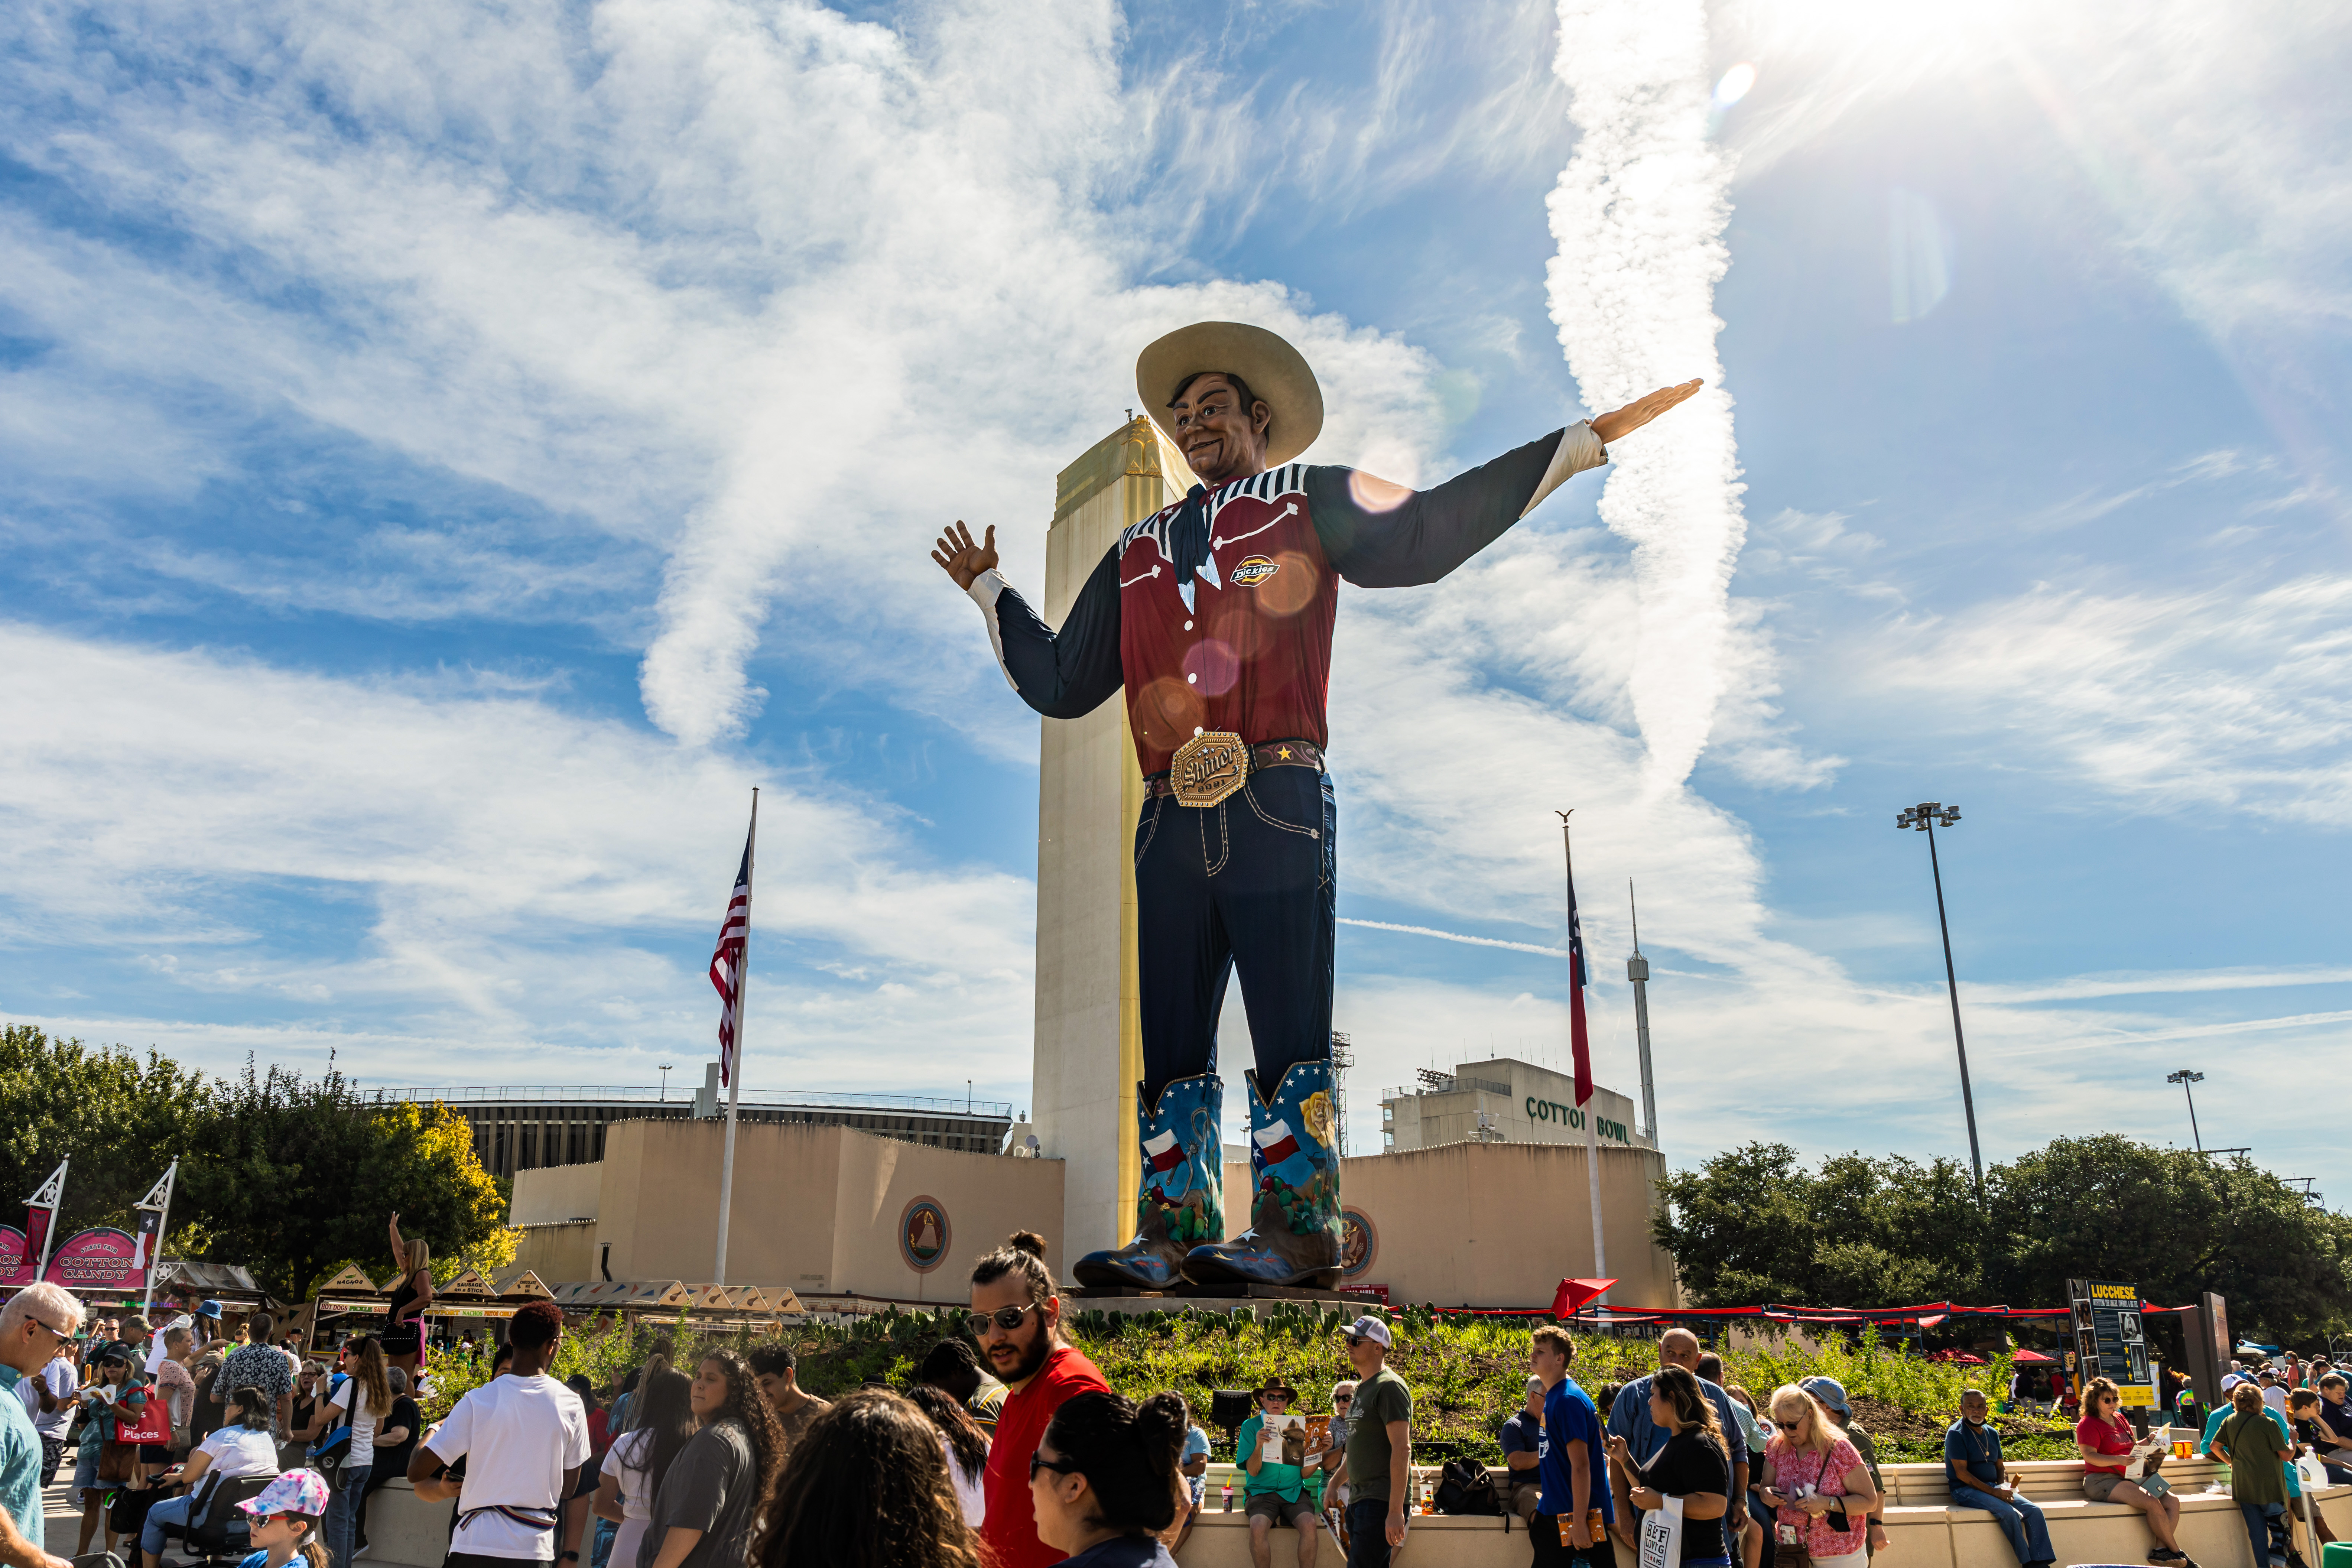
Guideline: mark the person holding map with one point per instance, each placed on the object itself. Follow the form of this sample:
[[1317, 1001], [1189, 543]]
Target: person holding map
[[1277, 1451]]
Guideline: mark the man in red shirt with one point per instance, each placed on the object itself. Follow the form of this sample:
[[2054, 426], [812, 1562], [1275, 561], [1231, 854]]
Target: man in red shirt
[[1215, 616], [1016, 1315]]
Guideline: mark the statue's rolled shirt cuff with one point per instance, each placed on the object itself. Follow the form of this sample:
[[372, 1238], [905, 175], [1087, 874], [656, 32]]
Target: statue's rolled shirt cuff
[[1578, 450], [985, 589]]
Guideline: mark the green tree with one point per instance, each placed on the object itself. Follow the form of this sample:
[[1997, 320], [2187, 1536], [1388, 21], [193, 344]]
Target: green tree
[[118, 1117], [2175, 1222], [295, 1176], [1753, 1225]]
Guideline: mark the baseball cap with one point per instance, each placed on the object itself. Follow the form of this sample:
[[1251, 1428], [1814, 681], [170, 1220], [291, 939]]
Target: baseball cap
[[1830, 1392], [1370, 1327], [296, 1492]]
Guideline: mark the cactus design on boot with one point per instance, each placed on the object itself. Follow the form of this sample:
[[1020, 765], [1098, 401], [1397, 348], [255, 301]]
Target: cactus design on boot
[[1293, 1237], [1180, 1202]]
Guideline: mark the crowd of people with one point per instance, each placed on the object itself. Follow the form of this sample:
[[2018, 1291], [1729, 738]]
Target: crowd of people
[[1007, 1448]]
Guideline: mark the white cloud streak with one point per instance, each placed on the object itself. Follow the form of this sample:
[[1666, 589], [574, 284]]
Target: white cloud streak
[[1639, 214]]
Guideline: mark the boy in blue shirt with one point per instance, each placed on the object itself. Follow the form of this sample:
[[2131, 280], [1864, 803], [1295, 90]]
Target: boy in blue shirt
[[1570, 1459]]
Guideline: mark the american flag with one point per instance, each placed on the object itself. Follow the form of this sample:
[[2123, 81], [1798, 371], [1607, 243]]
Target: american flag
[[727, 965]]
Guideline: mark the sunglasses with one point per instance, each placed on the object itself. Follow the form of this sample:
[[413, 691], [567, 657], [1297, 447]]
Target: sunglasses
[[1005, 1318], [1343, 1399], [1059, 1466], [1786, 1426]]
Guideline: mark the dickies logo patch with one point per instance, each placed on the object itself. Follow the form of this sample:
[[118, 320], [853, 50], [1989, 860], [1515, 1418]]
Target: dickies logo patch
[[1251, 572]]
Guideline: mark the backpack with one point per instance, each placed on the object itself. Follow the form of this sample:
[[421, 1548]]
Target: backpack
[[1464, 1486], [329, 1453]]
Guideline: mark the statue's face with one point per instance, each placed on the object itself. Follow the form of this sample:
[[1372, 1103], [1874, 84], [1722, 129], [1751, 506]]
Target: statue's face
[[1219, 439]]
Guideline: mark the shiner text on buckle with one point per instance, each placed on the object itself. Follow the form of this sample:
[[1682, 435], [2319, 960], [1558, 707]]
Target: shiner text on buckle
[[1209, 767]]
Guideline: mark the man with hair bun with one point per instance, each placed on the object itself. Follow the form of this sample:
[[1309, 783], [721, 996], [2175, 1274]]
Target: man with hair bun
[[1016, 1315]]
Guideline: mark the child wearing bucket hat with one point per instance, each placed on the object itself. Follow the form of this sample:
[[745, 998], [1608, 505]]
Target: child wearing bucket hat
[[283, 1521]]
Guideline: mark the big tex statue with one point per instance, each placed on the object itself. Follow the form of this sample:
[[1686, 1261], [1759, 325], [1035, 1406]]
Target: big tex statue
[[1215, 616]]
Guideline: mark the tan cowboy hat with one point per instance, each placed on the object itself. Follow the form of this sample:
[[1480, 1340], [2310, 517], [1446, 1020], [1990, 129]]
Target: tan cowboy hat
[[1272, 1385], [1277, 375]]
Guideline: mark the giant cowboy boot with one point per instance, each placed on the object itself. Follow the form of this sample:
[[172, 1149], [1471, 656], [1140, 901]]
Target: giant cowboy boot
[[1293, 1238], [1182, 1201]]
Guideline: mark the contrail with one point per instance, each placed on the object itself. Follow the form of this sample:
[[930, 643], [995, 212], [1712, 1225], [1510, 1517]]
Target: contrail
[[1456, 936], [1639, 214]]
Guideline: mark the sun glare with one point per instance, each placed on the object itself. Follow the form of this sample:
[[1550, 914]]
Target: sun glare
[[1734, 85]]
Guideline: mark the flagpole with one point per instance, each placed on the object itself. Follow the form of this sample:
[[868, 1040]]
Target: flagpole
[[51, 1196], [162, 1226], [1591, 1134], [735, 1067]]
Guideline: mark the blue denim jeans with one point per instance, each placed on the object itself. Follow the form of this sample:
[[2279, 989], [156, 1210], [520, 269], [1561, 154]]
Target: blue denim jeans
[[2258, 1516], [171, 1510], [2022, 1521], [1368, 1533], [1247, 884], [343, 1515]]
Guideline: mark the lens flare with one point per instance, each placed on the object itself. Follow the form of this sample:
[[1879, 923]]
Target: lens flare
[[1918, 256], [1734, 86]]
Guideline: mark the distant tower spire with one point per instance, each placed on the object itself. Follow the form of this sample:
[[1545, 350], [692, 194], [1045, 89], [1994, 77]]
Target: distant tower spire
[[1637, 969]]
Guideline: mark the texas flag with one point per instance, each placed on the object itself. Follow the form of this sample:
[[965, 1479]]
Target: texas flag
[[1163, 1152], [1276, 1143]]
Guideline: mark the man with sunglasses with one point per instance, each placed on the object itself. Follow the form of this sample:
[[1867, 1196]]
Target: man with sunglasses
[[1016, 1316], [39, 1318]]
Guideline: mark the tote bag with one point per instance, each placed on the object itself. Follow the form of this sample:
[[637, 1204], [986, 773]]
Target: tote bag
[[1661, 1535]]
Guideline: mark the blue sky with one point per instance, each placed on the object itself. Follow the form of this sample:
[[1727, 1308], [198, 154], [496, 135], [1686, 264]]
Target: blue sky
[[448, 456]]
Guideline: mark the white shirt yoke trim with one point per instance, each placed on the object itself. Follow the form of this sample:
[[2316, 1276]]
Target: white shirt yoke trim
[[985, 589], [1578, 450]]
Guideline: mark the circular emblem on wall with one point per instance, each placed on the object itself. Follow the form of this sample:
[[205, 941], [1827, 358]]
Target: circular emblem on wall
[[1358, 1243], [923, 1235]]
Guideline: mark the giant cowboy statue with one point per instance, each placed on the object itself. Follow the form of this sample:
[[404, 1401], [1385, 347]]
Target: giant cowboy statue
[[1215, 616]]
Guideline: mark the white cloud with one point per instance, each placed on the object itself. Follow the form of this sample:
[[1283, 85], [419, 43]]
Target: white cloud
[[2232, 695], [537, 888]]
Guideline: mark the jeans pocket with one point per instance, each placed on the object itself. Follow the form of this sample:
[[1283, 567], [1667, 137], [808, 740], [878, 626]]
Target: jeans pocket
[[1148, 828]]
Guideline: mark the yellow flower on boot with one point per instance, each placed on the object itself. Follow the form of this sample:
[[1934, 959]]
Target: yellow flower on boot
[[1315, 1112]]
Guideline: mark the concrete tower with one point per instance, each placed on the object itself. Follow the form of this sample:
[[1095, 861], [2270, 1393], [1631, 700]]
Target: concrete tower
[[1089, 1050]]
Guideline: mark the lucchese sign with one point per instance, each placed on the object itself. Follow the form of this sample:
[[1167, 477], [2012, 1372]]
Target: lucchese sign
[[1553, 1111]]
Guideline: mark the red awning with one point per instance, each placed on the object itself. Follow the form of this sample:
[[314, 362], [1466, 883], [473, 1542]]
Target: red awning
[[1573, 1294]]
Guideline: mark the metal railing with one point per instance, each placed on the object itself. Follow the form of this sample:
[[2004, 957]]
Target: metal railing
[[540, 1094], [1460, 1086]]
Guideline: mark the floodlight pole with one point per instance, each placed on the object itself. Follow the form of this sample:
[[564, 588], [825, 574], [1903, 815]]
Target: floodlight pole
[[1923, 818], [2184, 1078]]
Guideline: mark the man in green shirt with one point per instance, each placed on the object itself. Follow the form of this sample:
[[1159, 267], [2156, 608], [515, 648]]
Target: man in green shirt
[[1277, 1492], [1379, 1449], [35, 1323]]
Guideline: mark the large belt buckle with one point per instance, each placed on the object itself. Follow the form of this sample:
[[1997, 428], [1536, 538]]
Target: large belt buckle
[[1209, 767]]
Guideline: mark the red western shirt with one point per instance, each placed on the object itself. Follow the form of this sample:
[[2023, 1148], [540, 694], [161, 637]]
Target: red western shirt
[[1248, 648]]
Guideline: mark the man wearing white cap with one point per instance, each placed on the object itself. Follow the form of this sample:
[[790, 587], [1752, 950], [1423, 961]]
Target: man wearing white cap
[[1215, 616], [1379, 1449]]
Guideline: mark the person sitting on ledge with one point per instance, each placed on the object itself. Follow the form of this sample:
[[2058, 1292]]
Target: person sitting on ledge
[[1973, 1470]]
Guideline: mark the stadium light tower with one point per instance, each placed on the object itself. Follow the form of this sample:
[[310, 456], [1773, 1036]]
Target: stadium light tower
[[2184, 1078], [1925, 817]]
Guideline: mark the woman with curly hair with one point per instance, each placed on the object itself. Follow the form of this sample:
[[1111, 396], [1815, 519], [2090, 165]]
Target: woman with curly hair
[[868, 1486], [704, 1508]]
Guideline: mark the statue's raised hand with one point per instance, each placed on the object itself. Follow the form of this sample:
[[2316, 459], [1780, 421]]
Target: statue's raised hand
[[1641, 411], [960, 557]]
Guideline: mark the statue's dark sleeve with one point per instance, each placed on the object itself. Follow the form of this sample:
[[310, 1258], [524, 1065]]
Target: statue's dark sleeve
[[1431, 531], [1066, 674]]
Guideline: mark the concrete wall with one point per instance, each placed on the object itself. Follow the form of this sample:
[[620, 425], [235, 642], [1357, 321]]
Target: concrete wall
[[564, 1251], [553, 1194], [816, 1208], [407, 1532], [1500, 1225], [1088, 1048]]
